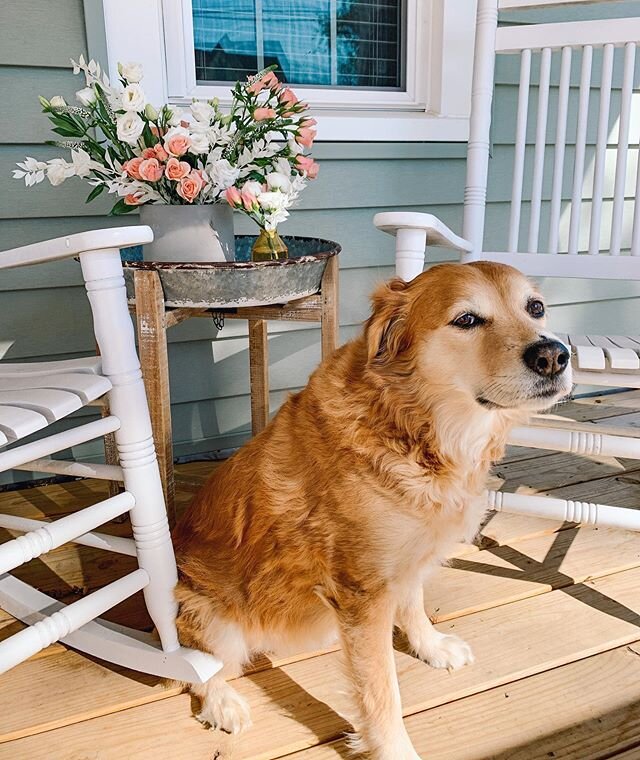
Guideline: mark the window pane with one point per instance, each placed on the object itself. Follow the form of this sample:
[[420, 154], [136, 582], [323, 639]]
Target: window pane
[[330, 43]]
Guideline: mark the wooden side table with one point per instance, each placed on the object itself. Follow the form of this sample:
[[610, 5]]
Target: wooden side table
[[154, 316]]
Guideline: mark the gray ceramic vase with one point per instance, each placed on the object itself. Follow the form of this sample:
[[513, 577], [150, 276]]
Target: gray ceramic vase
[[189, 233]]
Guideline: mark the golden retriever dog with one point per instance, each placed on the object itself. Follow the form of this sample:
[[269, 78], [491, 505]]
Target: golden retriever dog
[[327, 524]]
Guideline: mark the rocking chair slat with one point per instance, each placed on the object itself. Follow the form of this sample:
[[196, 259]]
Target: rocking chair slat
[[623, 149], [52, 404], [581, 140], [540, 149], [521, 139], [561, 140], [619, 358], [88, 387], [601, 149], [18, 423]]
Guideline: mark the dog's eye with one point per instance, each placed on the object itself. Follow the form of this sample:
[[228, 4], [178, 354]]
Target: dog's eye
[[465, 321], [535, 308]]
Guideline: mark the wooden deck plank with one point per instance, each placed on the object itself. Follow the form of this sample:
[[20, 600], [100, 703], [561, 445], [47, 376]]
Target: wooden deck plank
[[551, 715], [486, 581], [299, 705]]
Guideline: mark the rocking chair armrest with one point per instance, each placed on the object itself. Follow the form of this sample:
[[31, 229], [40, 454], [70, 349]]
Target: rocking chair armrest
[[73, 245], [436, 231]]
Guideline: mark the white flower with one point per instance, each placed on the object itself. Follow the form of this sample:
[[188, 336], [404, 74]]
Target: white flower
[[58, 170], [202, 111], [131, 72], [86, 96], [129, 127], [222, 174], [133, 98], [82, 163], [273, 201], [253, 187], [57, 101], [199, 142], [294, 147], [278, 181]]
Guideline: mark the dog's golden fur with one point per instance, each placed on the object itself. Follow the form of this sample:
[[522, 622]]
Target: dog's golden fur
[[328, 521]]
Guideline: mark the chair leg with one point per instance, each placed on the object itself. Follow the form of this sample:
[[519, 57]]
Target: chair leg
[[329, 319], [259, 374]]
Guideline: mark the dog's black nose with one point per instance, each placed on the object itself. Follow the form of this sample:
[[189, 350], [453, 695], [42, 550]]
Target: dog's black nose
[[547, 358]]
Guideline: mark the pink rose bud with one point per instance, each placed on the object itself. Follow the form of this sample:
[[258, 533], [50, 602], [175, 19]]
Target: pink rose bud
[[308, 123], [232, 194], [306, 137], [175, 169], [190, 186], [149, 153], [260, 114], [307, 166], [249, 200], [132, 167], [150, 170], [288, 97], [133, 199], [269, 80], [178, 145]]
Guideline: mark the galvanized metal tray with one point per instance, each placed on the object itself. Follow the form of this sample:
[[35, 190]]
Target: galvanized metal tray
[[241, 282]]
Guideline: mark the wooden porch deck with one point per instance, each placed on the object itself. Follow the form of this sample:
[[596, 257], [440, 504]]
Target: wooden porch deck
[[552, 613]]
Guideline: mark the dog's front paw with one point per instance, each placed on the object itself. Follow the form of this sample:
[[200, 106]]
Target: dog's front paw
[[225, 709], [446, 651]]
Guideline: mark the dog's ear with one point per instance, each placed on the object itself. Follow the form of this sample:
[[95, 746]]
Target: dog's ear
[[385, 331]]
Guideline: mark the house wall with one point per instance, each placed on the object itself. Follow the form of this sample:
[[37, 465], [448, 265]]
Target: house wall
[[43, 311]]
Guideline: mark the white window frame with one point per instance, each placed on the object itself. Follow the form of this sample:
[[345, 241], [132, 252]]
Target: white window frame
[[434, 106]]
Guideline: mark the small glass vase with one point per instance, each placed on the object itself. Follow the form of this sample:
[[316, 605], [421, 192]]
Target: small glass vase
[[269, 246]]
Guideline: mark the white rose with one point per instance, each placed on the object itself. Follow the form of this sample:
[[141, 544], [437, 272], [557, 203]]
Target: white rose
[[222, 174], [57, 101], [58, 170], [294, 147], [277, 181], [87, 96], [129, 127], [253, 187], [202, 111], [133, 98], [273, 201], [132, 72], [199, 142]]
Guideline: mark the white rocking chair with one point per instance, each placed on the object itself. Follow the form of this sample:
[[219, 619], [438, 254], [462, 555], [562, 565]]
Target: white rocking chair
[[32, 397], [597, 360]]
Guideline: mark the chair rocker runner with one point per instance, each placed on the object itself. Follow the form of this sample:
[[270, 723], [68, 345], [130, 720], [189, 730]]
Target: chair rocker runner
[[612, 360], [35, 395]]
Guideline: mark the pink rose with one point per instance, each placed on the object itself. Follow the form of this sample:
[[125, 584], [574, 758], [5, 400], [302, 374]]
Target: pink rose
[[190, 186], [269, 80], [260, 114], [132, 167], [157, 132], [232, 194], [176, 169], [308, 123], [306, 136], [148, 153], [133, 199], [150, 170], [288, 97], [160, 153], [308, 166], [178, 145], [249, 200]]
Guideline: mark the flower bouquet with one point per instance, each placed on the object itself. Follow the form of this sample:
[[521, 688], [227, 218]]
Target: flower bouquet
[[250, 157]]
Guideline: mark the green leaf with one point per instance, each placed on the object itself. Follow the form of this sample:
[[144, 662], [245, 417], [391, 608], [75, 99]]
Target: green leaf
[[121, 208], [94, 193], [66, 132]]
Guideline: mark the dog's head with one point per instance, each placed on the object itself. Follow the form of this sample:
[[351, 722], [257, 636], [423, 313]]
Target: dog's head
[[475, 328]]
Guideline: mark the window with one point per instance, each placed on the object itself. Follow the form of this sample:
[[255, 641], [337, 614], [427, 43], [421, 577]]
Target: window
[[345, 43], [393, 70]]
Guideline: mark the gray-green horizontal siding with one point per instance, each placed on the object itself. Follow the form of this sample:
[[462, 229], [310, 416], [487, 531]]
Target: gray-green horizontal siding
[[43, 310]]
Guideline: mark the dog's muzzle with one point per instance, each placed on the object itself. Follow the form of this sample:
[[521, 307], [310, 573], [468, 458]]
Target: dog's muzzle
[[547, 358]]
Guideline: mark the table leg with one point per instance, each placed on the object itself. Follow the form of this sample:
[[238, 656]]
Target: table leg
[[259, 374], [152, 347], [329, 319]]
